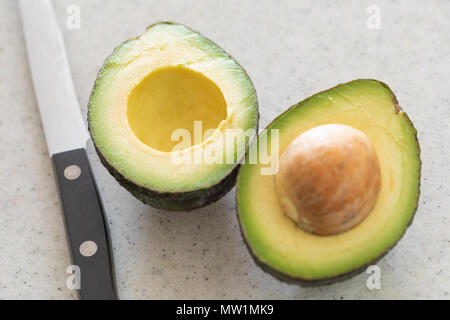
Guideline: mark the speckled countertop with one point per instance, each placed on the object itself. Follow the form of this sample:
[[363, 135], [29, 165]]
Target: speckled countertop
[[291, 49]]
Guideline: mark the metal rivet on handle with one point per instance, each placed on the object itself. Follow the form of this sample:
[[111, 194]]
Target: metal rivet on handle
[[88, 248], [72, 172]]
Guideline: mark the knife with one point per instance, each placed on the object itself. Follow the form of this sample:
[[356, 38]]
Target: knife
[[66, 134]]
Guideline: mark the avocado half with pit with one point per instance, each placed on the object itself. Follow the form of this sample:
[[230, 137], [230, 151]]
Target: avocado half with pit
[[346, 188], [159, 103]]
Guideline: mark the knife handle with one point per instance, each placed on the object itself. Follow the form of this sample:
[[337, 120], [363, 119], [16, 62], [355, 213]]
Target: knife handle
[[86, 226]]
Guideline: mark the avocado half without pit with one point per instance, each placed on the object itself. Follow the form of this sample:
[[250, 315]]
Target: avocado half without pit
[[346, 188], [172, 94]]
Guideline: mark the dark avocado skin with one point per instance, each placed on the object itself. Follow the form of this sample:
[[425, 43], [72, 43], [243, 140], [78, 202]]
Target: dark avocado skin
[[176, 201], [353, 272], [306, 282]]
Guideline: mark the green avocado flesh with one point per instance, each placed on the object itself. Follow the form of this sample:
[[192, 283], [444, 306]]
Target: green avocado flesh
[[171, 78], [285, 250]]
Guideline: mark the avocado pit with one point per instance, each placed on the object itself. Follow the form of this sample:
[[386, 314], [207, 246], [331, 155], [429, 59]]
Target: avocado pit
[[328, 179]]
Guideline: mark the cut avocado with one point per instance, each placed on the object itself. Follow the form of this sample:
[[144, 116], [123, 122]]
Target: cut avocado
[[168, 79], [291, 252]]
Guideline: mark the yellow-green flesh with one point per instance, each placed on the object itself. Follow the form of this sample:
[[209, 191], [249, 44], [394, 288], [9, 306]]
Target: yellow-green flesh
[[278, 242]]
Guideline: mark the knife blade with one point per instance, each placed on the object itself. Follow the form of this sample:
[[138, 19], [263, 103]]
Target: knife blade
[[66, 135]]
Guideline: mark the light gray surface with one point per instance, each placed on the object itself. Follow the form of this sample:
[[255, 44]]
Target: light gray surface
[[290, 50]]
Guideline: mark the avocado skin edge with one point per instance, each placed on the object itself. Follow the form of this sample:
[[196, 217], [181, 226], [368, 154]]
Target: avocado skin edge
[[176, 201], [353, 272]]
